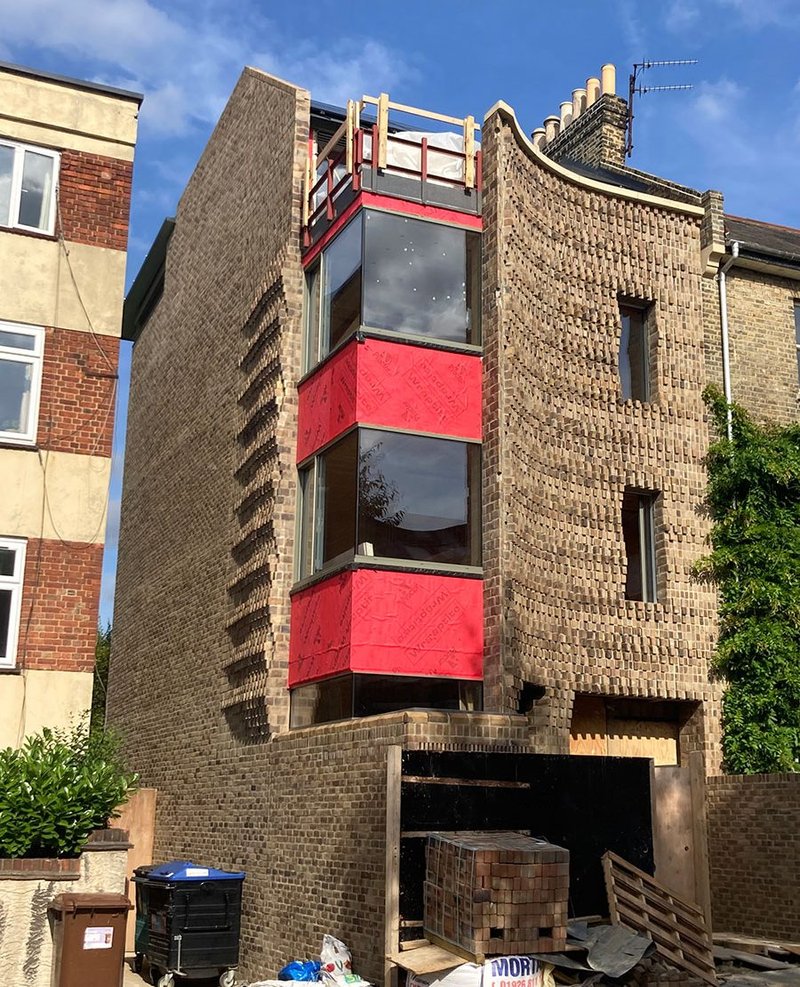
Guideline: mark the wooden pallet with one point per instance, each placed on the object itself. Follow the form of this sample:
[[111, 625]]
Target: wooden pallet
[[676, 926]]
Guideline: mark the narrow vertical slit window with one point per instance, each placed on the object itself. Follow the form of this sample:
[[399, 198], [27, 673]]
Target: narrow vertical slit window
[[638, 531], [634, 353]]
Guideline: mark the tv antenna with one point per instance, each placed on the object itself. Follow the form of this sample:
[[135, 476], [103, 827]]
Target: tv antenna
[[635, 87]]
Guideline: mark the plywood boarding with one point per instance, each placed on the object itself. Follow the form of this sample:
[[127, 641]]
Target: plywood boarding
[[673, 831], [677, 927], [138, 816]]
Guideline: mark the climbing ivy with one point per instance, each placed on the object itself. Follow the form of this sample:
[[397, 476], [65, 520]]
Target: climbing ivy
[[754, 501]]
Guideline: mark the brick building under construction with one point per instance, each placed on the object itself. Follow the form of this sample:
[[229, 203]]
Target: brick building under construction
[[414, 467]]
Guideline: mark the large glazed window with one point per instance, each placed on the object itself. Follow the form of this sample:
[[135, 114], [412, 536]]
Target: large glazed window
[[28, 177], [421, 278], [394, 274], [393, 496], [350, 695], [12, 567], [20, 381]]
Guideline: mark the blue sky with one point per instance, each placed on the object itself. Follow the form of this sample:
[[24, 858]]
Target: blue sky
[[738, 130]]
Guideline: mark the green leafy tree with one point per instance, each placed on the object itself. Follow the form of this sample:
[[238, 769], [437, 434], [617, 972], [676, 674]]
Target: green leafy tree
[[102, 655], [754, 502]]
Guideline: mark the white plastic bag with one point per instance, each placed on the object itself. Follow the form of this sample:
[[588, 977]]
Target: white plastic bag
[[337, 965]]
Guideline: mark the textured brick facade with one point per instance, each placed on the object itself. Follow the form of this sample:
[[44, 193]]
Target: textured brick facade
[[76, 412], [94, 197], [754, 854], [560, 446], [596, 137], [60, 601]]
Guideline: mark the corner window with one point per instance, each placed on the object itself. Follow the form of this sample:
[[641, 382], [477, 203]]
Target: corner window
[[20, 381], [12, 567], [392, 273], [28, 178], [638, 532], [634, 352], [391, 495], [348, 696]]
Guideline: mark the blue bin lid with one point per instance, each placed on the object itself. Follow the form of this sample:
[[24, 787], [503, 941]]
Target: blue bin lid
[[185, 870]]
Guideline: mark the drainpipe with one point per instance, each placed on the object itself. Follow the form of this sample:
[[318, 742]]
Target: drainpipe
[[723, 318]]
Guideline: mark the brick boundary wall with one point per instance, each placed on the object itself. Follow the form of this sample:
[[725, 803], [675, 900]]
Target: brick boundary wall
[[94, 199], [76, 413], [62, 583], [754, 854]]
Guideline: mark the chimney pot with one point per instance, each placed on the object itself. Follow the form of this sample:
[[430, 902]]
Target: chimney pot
[[566, 113], [552, 125], [592, 91], [578, 102], [608, 76], [539, 138]]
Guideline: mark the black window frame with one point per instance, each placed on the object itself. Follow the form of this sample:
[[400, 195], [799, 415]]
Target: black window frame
[[638, 314]]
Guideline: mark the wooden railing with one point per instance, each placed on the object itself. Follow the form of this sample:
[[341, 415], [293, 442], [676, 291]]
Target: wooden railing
[[338, 164]]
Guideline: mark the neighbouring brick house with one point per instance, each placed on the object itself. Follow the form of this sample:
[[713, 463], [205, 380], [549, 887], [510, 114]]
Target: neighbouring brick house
[[66, 156], [414, 460]]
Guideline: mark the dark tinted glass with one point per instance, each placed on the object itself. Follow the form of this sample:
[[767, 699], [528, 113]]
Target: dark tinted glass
[[8, 558], [633, 546], [342, 277], [322, 702], [336, 493], [368, 695], [634, 369], [416, 500], [421, 278]]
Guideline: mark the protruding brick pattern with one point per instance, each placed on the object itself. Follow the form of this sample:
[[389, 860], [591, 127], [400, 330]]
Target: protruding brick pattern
[[560, 445], [496, 894], [94, 198], [754, 854], [76, 412], [60, 602]]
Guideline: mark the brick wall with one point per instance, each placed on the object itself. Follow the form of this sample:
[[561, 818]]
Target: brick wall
[[94, 199], [60, 602], [76, 411], [597, 137], [754, 854], [762, 344], [560, 446]]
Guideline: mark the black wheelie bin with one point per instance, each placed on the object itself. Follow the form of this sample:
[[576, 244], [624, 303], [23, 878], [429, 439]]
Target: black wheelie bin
[[187, 922]]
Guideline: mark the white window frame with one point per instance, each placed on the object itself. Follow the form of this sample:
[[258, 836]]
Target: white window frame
[[16, 186], [13, 583], [34, 357]]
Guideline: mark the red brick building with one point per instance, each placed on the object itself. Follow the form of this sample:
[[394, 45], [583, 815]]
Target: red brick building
[[66, 158]]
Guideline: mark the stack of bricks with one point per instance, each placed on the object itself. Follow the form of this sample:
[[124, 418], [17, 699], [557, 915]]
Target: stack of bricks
[[494, 894]]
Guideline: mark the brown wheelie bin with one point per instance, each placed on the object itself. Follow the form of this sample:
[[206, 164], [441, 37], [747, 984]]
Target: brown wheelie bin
[[88, 939]]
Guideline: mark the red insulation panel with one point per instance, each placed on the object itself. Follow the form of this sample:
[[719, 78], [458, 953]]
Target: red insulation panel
[[388, 623], [397, 385]]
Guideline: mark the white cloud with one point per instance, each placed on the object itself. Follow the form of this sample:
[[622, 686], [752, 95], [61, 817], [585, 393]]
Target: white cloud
[[764, 13], [186, 59], [682, 15], [718, 102]]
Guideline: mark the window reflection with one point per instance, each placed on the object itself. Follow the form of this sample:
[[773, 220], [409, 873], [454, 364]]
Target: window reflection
[[394, 496], [420, 278]]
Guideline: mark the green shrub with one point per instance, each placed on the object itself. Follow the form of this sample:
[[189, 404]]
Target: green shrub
[[57, 788]]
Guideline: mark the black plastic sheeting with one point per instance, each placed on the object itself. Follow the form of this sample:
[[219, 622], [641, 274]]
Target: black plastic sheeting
[[587, 804]]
